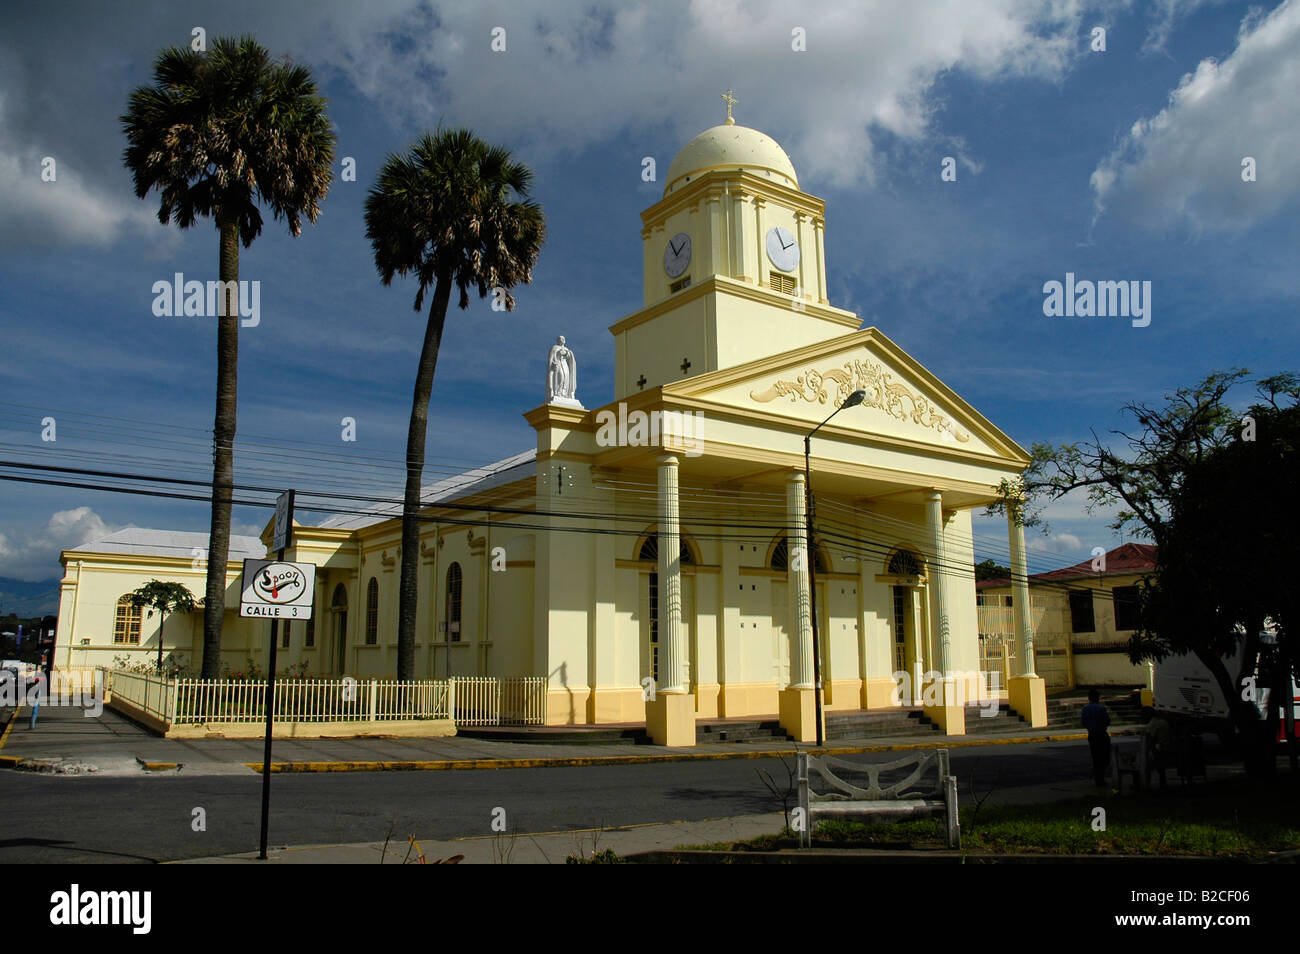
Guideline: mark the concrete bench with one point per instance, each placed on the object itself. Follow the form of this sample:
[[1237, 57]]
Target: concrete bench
[[913, 796]]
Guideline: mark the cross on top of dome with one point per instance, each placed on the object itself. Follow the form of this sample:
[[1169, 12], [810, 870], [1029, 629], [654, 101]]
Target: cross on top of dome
[[727, 98]]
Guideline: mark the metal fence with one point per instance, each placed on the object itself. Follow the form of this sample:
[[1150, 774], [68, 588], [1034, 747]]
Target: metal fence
[[472, 701]]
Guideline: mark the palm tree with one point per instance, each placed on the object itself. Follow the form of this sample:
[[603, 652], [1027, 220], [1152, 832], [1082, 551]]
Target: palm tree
[[165, 598], [455, 212], [218, 134]]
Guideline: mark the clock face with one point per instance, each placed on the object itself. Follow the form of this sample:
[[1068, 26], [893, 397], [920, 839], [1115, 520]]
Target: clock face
[[782, 249], [677, 254]]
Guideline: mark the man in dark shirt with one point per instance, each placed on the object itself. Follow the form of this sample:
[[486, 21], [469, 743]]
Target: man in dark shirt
[[1096, 719]]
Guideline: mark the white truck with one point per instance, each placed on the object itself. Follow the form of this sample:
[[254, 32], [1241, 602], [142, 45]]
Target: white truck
[[1186, 690]]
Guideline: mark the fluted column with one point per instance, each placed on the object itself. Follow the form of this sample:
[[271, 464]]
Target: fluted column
[[1020, 592], [672, 647], [938, 576], [798, 554]]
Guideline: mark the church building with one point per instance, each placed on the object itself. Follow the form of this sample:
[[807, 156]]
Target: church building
[[649, 556]]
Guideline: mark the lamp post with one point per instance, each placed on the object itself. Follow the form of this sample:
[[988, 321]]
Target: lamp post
[[811, 554]]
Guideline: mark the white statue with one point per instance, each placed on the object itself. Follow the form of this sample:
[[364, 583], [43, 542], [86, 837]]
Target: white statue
[[561, 376]]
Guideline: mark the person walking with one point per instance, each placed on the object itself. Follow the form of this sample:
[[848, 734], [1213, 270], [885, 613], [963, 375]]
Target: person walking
[[1096, 720]]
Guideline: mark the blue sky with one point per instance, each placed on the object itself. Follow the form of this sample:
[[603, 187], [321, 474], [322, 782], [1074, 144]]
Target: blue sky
[[1122, 164]]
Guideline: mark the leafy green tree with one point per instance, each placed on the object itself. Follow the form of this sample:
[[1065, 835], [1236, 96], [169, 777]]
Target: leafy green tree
[[1224, 574], [218, 134], [991, 570], [1189, 481], [164, 598], [454, 212]]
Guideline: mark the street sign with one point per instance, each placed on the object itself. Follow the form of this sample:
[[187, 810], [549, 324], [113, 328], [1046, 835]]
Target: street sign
[[283, 521], [272, 589]]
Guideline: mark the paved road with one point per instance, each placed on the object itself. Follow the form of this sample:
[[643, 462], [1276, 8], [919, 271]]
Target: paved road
[[149, 818]]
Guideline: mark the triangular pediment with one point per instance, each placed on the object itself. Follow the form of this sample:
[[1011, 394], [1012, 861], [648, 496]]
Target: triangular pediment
[[905, 403]]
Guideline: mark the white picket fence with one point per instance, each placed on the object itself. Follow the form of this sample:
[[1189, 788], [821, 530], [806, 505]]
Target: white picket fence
[[484, 700], [472, 701]]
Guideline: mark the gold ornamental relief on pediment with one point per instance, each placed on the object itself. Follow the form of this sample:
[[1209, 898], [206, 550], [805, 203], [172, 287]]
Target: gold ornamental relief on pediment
[[834, 385]]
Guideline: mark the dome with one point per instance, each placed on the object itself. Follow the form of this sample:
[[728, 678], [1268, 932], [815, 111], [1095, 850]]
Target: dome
[[731, 147]]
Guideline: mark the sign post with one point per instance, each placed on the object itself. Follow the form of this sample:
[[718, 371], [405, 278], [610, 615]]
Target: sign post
[[277, 590]]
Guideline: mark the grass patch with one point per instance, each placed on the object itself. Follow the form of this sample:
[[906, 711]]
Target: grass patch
[[1235, 818]]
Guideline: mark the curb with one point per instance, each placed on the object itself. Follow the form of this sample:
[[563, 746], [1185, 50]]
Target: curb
[[451, 765], [9, 726], [158, 766], [858, 856]]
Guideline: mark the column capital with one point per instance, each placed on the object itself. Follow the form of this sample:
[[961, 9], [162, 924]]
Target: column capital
[[667, 460], [794, 477]]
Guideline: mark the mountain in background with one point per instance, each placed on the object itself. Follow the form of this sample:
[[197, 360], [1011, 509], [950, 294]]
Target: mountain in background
[[24, 598]]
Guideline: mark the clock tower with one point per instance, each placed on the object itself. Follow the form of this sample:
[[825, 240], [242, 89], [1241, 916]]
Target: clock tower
[[734, 264]]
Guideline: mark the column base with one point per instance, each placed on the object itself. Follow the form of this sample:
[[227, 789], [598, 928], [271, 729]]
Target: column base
[[943, 703], [1027, 697], [1148, 698], [798, 714], [670, 719]]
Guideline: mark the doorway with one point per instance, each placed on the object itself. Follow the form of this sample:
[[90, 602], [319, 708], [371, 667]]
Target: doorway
[[339, 608]]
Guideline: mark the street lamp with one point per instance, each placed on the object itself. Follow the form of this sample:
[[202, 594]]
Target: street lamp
[[852, 400]]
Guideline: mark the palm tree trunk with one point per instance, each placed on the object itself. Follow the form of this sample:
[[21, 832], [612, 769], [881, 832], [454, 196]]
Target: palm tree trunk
[[223, 456], [409, 591]]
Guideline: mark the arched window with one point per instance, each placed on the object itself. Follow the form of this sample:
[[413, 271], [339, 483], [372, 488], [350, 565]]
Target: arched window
[[126, 623], [904, 563], [340, 599], [781, 555], [650, 549], [372, 612], [454, 579]]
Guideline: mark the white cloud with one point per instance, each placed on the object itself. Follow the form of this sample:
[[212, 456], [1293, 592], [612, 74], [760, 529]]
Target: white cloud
[[36, 557], [67, 210], [1056, 543], [573, 74], [1184, 165]]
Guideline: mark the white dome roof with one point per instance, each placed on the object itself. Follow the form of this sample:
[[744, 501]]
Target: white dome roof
[[731, 147]]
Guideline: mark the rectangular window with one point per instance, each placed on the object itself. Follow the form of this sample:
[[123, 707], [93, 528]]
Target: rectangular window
[[309, 641], [1126, 607], [654, 626], [126, 624], [1081, 619], [284, 637], [678, 286], [900, 631]]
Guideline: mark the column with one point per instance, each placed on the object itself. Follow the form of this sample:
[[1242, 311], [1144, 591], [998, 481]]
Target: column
[[938, 575], [715, 247], [819, 228], [944, 701], [759, 232], [800, 223], [740, 257], [1020, 593], [799, 553], [797, 704], [670, 715], [671, 648], [1026, 691]]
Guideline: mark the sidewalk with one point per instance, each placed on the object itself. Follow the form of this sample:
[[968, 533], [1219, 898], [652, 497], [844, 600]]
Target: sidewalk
[[65, 737]]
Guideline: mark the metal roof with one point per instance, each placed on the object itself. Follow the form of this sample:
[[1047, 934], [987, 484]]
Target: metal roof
[[139, 541], [505, 471]]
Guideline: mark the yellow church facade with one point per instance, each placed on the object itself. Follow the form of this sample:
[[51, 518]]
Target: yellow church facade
[[649, 556]]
